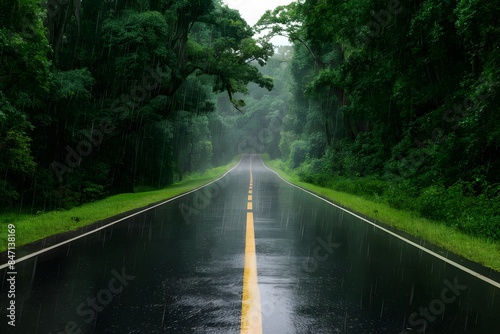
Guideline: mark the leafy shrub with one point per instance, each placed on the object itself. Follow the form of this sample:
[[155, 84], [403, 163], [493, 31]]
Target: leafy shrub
[[401, 195], [472, 207], [93, 192], [372, 186], [316, 145], [458, 207], [431, 203], [298, 153], [66, 197]]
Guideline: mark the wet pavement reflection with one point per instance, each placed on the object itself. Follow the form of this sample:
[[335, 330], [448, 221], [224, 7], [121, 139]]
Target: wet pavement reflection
[[178, 268]]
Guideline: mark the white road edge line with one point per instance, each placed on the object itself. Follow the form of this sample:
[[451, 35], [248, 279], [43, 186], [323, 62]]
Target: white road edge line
[[459, 266], [26, 257]]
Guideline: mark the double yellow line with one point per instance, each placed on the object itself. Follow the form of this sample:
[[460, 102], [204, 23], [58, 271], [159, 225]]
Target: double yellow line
[[251, 317]]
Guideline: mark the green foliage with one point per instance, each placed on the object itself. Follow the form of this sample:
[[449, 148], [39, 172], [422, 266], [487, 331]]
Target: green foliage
[[402, 195], [478, 249], [397, 102], [456, 206], [72, 84], [202, 154], [8, 193], [24, 66], [92, 192], [392, 101], [16, 159], [298, 153], [36, 226], [16, 154], [99, 97], [136, 39]]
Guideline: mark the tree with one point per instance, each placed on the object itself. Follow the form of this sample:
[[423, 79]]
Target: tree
[[24, 78], [108, 94]]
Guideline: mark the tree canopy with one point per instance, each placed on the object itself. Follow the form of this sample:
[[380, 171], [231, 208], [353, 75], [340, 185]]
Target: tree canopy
[[399, 98], [99, 96]]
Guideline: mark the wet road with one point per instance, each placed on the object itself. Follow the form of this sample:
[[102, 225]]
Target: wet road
[[205, 262]]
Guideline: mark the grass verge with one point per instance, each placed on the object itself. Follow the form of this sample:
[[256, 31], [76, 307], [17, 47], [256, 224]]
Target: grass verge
[[479, 250], [30, 228]]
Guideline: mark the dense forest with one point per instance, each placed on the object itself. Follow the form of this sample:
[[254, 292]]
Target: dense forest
[[100, 97], [396, 101]]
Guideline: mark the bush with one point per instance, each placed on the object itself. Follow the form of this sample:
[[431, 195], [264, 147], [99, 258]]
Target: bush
[[431, 203], [298, 153], [372, 186], [472, 207], [66, 198], [316, 144], [401, 195], [92, 192], [458, 207]]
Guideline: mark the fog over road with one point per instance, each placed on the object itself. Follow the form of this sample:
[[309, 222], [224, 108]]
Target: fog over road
[[248, 253]]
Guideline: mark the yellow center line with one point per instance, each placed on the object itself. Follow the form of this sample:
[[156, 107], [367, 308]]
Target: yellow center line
[[251, 317]]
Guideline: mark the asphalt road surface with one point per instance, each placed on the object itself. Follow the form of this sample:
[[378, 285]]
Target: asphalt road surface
[[248, 254]]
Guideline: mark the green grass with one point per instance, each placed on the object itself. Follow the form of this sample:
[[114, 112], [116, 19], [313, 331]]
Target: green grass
[[479, 250], [30, 228]]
